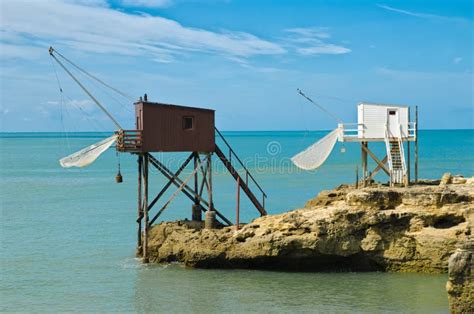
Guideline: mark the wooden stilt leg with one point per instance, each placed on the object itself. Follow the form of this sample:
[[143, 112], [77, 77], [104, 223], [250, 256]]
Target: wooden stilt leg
[[196, 178], [237, 213], [196, 213], [416, 144], [210, 221], [211, 202], [380, 164], [140, 208], [364, 163], [408, 163], [145, 209], [408, 153]]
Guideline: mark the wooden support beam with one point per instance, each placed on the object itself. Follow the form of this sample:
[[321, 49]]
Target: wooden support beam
[[196, 177], [180, 188], [237, 209], [188, 191], [169, 175], [377, 169], [209, 171], [170, 181], [408, 152], [140, 207], [382, 165], [416, 144], [408, 162], [364, 162], [145, 208], [204, 178]]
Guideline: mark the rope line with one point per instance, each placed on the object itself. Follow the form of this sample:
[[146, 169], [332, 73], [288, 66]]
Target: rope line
[[124, 106], [340, 99], [98, 126], [85, 89], [93, 76], [63, 131]]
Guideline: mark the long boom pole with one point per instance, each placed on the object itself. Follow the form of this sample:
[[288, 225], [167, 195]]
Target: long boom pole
[[319, 106], [51, 51]]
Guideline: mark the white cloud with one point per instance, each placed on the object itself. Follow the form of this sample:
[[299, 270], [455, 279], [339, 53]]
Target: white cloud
[[146, 3], [20, 51], [421, 15], [83, 105], [457, 60], [309, 33], [92, 3], [312, 41], [324, 49], [421, 76], [73, 108], [104, 30]]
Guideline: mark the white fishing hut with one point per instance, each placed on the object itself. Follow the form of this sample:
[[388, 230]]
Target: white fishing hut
[[375, 123], [384, 123]]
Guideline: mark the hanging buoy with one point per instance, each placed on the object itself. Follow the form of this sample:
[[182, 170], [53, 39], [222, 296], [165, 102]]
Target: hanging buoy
[[118, 177], [343, 149]]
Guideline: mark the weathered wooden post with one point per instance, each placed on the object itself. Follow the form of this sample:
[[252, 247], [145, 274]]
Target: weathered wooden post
[[211, 202], [145, 209], [196, 214], [357, 177], [408, 152], [237, 214], [416, 144], [364, 162], [210, 222], [140, 208]]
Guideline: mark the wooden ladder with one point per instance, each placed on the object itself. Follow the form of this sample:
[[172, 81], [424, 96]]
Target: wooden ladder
[[243, 181], [397, 165], [396, 159]]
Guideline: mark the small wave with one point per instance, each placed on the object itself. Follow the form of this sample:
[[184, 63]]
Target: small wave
[[136, 263], [130, 263]]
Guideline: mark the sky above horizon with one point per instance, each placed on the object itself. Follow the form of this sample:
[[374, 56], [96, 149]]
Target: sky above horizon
[[244, 59]]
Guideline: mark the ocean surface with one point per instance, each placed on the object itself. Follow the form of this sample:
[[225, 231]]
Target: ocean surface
[[68, 236]]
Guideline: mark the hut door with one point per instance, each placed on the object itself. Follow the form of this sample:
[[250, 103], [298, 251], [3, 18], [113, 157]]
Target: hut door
[[139, 118], [393, 122]]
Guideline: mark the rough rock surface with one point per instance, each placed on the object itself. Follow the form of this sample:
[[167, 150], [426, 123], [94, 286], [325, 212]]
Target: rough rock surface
[[375, 228], [460, 284]]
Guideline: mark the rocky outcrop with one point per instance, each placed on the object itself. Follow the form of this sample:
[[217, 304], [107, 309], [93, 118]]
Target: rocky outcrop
[[375, 228], [460, 284]]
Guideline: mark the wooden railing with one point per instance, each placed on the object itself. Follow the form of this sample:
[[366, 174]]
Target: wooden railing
[[412, 130], [233, 156], [129, 140], [354, 131], [351, 130]]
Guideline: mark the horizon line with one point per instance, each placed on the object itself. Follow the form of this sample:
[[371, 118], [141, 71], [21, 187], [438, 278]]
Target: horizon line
[[427, 129]]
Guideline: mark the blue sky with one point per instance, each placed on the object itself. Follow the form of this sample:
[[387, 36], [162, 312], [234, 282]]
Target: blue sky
[[245, 59]]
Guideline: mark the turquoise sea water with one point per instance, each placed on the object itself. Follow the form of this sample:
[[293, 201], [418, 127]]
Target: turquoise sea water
[[68, 236]]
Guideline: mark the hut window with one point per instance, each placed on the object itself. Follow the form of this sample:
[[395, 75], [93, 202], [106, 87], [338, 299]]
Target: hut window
[[188, 123], [392, 112]]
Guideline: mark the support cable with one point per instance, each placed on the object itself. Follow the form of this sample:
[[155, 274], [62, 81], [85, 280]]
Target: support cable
[[51, 50], [97, 125], [90, 75], [108, 93], [319, 106]]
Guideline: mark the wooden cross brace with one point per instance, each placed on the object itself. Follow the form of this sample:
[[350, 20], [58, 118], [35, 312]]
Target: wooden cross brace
[[380, 164], [182, 186]]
